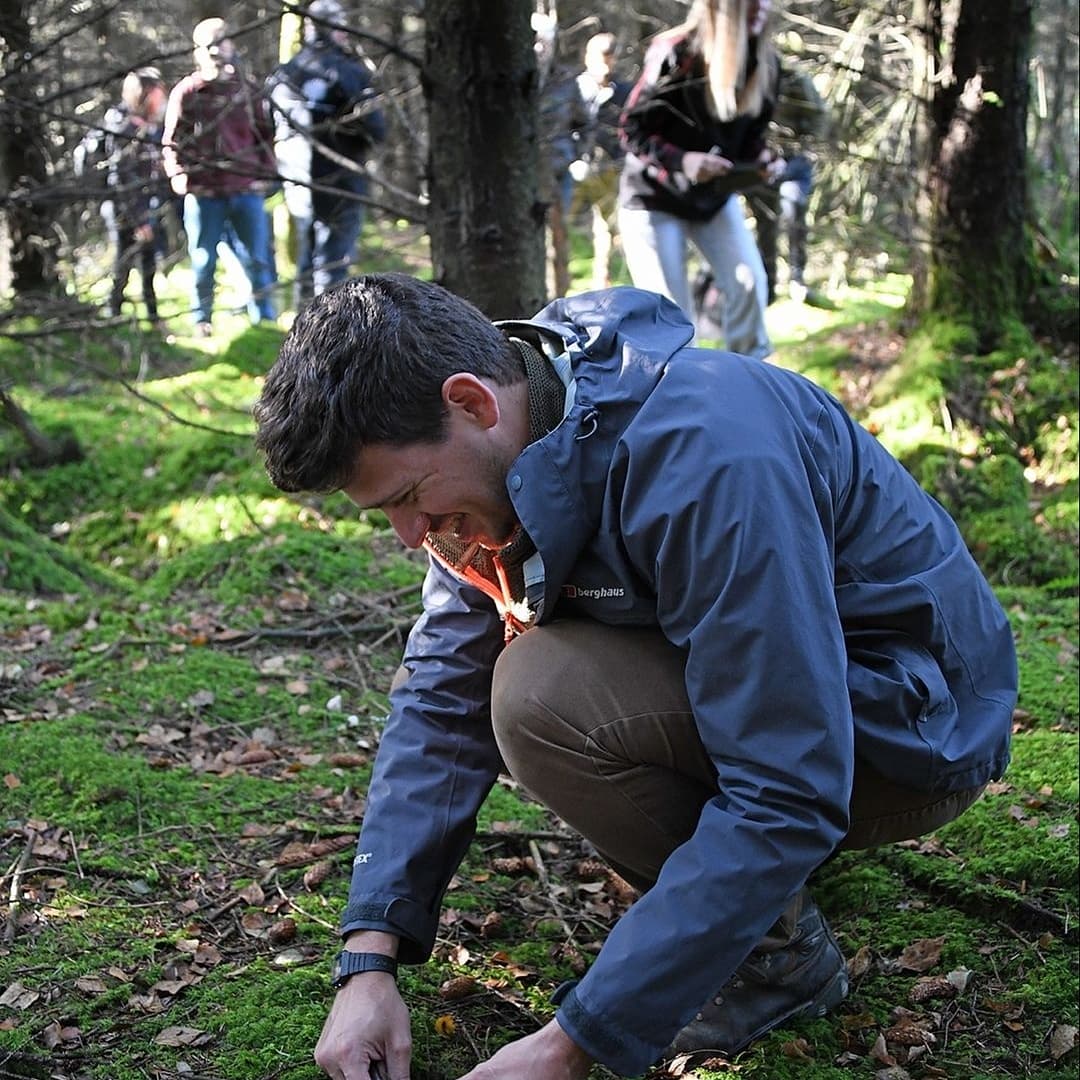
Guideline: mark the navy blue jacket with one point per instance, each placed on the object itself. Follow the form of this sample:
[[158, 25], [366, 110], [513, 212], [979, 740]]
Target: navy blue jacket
[[827, 607], [323, 98]]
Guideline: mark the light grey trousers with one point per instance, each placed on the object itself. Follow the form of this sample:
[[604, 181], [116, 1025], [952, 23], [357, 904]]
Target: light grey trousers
[[594, 721], [656, 245]]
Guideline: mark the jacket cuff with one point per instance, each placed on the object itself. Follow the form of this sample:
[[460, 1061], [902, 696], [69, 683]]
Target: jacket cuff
[[626, 1054], [412, 923]]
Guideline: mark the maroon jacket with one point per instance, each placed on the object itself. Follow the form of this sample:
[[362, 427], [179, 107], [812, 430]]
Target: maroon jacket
[[219, 134]]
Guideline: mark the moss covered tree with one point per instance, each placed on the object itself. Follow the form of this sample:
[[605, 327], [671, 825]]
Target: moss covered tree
[[972, 81]]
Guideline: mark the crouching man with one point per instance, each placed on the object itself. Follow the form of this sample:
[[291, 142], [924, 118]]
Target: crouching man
[[685, 600]]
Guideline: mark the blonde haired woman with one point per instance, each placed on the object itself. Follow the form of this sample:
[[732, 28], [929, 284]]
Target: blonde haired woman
[[694, 130]]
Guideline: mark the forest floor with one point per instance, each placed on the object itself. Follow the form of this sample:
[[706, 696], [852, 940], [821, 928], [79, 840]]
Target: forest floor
[[192, 682]]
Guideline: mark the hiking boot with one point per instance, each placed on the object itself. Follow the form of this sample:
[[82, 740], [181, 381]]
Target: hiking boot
[[806, 976]]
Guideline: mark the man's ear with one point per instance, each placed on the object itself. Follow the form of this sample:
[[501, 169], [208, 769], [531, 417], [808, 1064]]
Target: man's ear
[[471, 396]]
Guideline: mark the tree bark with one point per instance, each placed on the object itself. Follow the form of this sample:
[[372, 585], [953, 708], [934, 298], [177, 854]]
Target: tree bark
[[979, 257], [486, 222], [31, 265]]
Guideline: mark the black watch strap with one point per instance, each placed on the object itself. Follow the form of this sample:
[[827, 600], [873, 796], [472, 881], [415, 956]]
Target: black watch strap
[[348, 964]]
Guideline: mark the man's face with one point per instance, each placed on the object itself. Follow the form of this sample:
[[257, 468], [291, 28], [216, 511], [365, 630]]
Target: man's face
[[456, 487], [599, 64]]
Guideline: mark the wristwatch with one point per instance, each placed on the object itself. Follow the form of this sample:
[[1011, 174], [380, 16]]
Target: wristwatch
[[348, 964]]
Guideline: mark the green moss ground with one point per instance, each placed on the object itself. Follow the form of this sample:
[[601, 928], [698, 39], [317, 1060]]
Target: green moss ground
[[192, 680]]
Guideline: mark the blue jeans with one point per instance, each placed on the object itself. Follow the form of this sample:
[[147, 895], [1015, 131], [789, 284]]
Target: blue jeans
[[205, 217], [326, 243]]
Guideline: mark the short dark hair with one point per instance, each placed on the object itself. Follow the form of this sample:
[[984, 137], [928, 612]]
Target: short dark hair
[[364, 364]]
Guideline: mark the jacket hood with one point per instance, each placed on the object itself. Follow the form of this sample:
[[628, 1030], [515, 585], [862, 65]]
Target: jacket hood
[[615, 346], [627, 330]]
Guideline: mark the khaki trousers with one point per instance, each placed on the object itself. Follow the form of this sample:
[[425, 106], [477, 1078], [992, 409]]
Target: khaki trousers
[[594, 721]]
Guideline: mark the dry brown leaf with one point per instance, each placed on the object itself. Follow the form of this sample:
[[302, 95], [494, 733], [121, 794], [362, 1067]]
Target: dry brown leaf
[[17, 996], [293, 600], [860, 963], [207, 955], [921, 955], [880, 1051], [181, 1036], [147, 1003], [798, 1049], [253, 894], [91, 984], [50, 1035]]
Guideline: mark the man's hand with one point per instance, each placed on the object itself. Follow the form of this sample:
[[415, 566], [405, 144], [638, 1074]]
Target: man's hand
[[547, 1054], [699, 167], [367, 1024]]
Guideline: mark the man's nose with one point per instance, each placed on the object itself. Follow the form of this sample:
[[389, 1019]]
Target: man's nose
[[411, 527]]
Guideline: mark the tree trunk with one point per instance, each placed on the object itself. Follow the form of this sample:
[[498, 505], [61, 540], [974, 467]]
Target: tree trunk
[[979, 259], [926, 34], [31, 263], [485, 220], [43, 450]]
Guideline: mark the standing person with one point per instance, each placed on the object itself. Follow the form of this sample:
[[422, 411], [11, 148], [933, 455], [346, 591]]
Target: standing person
[[694, 128], [688, 603], [219, 154], [780, 208], [563, 118], [137, 185], [600, 157], [327, 125]]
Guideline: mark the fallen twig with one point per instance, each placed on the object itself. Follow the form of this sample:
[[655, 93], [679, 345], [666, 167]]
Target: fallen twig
[[13, 893]]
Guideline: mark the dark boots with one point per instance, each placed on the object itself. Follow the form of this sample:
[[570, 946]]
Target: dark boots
[[797, 970]]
